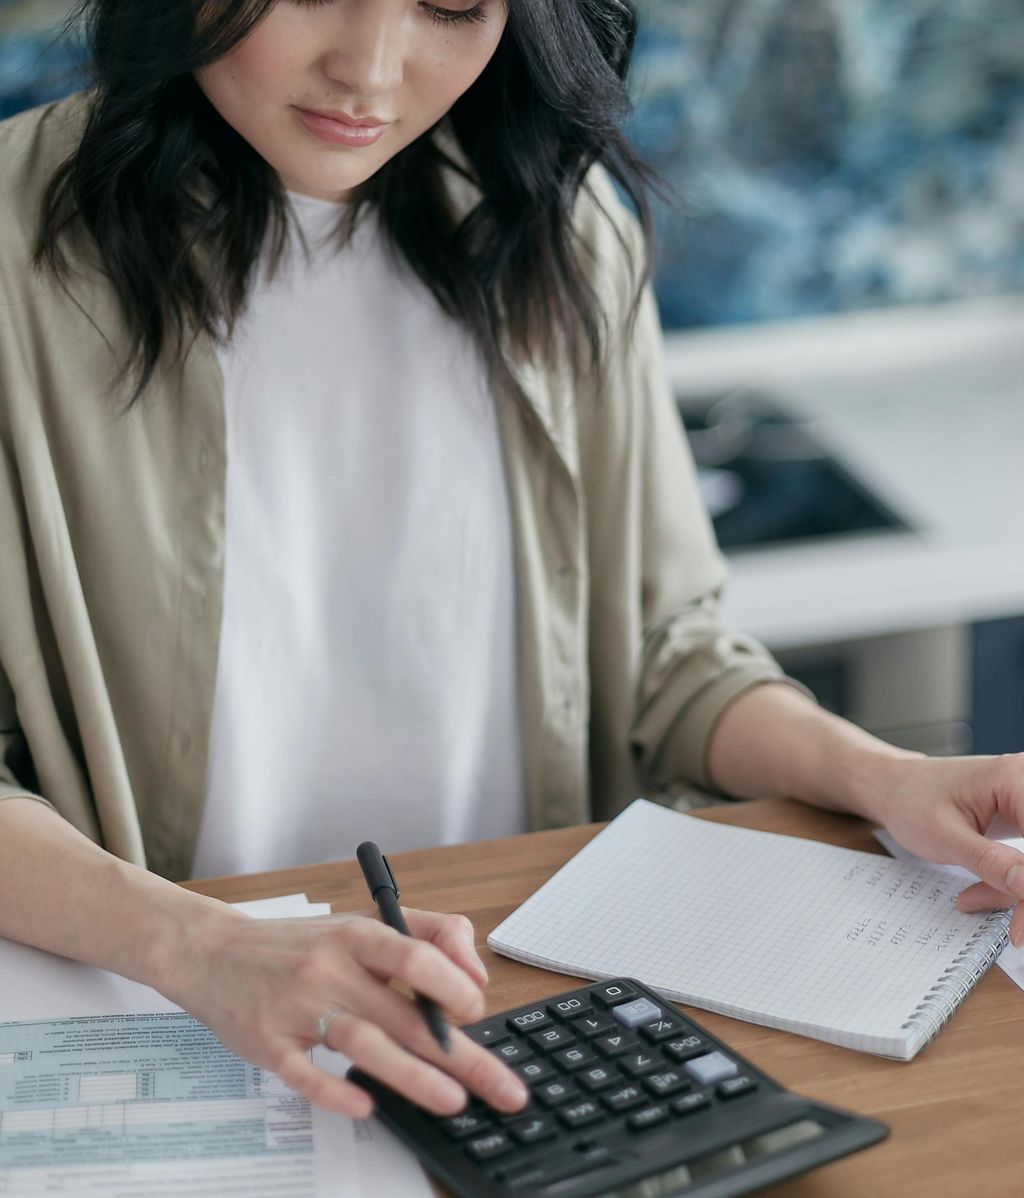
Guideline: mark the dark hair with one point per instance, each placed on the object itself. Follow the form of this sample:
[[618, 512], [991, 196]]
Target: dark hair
[[179, 204]]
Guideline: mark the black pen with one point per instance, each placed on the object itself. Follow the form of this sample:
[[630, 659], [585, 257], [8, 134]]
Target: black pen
[[384, 891]]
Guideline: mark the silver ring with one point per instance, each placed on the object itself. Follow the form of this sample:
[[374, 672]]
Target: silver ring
[[324, 1022]]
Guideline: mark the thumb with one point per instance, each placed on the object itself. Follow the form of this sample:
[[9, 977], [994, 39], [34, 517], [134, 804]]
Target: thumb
[[1001, 867], [982, 897]]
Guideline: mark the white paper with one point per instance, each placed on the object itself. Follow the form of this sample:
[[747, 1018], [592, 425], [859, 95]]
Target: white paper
[[1010, 960], [107, 1088]]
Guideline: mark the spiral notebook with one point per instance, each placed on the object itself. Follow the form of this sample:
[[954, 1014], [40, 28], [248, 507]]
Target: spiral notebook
[[853, 948]]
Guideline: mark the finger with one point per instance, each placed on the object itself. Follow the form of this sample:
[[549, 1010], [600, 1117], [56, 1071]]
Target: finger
[[322, 1089], [1017, 926], [481, 1071], [997, 864], [372, 1049], [422, 966], [454, 935], [982, 897], [476, 1068]]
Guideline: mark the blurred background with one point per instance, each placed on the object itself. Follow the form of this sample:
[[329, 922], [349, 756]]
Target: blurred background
[[842, 286]]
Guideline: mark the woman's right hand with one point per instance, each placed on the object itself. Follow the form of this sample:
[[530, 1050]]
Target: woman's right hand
[[261, 986]]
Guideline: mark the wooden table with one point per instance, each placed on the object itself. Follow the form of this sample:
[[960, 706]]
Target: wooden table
[[956, 1111]]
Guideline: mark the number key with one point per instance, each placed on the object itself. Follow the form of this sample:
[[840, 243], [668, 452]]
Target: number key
[[529, 1021], [612, 993], [598, 1077], [569, 1008], [513, 1053], [636, 1064], [577, 1057], [617, 1043], [534, 1071], [551, 1038], [592, 1025], [554, 1093]]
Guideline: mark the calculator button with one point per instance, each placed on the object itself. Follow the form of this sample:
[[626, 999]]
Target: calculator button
[[734, 1086], [577, 1057], [686, 1104], [529, 1021], [555, 1093], [633, 1014], [614, 992], [651, 1117], [533, 1130], [533, 1072], [466, 1124], [661, 1085], [686, 1047], [592, 1025], [579, 1114], [513, 1053], [485, 1147], [636, 1064], [617, 1043], [624, 1098], [599, 1077], [661, 1029], [551, 1038], [488, 1033], [569, 1008], [714, 1067]]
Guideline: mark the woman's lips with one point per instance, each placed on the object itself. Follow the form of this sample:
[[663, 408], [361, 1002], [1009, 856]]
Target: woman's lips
[[340, 133]]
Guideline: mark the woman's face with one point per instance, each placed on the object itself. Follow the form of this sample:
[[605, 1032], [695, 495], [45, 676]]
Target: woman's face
[[398, 64]]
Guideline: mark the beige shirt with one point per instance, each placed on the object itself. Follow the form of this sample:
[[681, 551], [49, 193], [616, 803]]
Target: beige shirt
[[112, 552]]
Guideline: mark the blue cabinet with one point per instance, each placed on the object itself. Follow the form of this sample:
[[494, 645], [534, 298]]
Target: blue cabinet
[[997, 686]]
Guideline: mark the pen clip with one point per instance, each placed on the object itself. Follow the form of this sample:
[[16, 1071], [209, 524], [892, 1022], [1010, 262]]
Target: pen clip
[[394, 884]]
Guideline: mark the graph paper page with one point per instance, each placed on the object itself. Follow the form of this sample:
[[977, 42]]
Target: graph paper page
[[830, 942]]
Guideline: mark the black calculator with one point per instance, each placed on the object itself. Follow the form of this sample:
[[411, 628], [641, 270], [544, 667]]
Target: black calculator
[[629, 1099]]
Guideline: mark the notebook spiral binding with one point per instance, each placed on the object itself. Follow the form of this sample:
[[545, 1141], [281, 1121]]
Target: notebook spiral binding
[[932, 1015]]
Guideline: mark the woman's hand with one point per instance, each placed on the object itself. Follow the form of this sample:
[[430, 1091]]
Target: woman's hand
[[939, 808], [261, 986]]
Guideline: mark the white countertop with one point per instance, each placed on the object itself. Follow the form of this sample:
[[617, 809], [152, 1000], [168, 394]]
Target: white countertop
[[924, 407]]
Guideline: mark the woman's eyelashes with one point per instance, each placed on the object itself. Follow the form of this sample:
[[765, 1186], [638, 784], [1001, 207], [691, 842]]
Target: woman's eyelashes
[[449, 16], [440, 16]]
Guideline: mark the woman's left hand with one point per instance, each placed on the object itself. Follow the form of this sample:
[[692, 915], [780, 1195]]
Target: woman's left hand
[[939, 808]]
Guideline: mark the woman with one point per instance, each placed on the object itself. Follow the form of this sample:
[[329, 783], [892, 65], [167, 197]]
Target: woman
[[343, 496]]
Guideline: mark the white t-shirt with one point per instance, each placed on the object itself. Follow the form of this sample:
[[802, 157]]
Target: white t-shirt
[[367, 682]]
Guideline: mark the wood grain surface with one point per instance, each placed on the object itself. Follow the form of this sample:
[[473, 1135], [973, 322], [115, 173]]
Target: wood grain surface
[[956, 1111]]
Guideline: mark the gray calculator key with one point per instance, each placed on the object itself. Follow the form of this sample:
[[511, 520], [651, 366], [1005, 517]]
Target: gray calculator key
[[714, 1067], [637, 1012]]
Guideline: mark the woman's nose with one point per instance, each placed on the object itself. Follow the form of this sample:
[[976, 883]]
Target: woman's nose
[[367, 58]]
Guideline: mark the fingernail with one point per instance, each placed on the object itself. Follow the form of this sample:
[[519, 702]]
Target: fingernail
[[1015, 879]]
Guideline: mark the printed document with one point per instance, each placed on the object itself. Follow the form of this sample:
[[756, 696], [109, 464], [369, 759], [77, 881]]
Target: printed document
[[106, 1088]]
